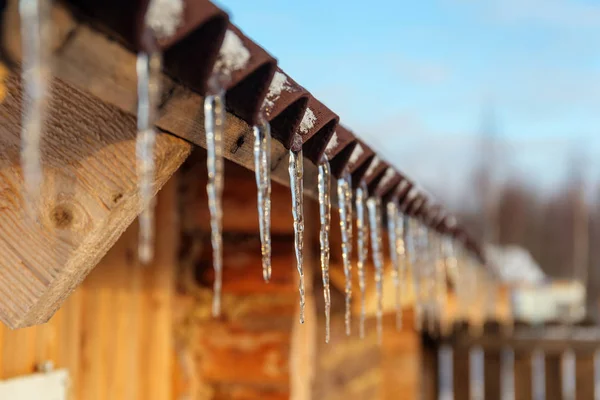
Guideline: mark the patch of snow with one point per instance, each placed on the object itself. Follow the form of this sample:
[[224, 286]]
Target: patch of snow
[[164, 17], [333, 143], [356, 153], [279, 83], [308, 121], [387, 177], [233, 55], [374, 164]]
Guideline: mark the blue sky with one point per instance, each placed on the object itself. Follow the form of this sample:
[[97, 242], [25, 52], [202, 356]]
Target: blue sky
[[423, 73]]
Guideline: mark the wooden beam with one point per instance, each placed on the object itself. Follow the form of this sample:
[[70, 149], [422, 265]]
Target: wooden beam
[[89, 196], [89, 60]]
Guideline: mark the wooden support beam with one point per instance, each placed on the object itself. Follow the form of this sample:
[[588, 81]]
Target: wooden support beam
[[114, 334], [89, 196], [89, 60]]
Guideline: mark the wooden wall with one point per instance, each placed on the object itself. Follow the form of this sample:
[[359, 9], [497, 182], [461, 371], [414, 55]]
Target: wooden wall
[[145, 332], [114, 333]]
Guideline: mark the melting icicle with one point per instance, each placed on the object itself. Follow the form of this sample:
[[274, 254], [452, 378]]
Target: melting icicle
[[374, 207], [507, 374], [324, 184], [476, 373], [214, 119], [262, 168], [414, 249], [401, 254], [162, 19], [392, 218], [35, 32], [148, 73], [568, 375], [445, 373], [538, 366], [296, 170], [344, 191], [362, 234]]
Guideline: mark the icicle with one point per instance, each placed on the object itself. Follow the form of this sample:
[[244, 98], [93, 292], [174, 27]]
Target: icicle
[[568, 375], [401, 276], [148, 73], [35, 34], [262, 168], [445, 373], [476, 373], [392, 217], [162, 19], [414, 249], [507, 374], [214, 120], [296, 170], [447, 263], [538, 367], [324, 184], [362, 234], [374, 207], [344, 191]]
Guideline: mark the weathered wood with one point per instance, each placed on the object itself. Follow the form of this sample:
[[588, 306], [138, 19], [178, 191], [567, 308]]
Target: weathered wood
[[249, 351], [89, 197], [91, 61], [114, 334]]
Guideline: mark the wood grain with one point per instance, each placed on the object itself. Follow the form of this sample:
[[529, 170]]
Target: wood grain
[[89, 197], [115, 333], [89, 60]]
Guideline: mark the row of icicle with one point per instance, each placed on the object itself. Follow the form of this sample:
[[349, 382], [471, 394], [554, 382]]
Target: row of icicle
[[35, 26], [416, 252]]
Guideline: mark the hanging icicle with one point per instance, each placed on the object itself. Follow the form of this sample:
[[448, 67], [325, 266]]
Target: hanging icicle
[[148, 74], [233, 56], [447, 264], [362, 235], [36, 73], [413, 249], [374, 208], [162, 19], [402, 264], [344, 191], [324, 184], [392, 218], [296, 171], [262, 168], [214, 120]]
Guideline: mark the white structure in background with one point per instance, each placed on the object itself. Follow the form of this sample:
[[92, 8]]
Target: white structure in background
[[535, 298], [514, 265], [53, 385]]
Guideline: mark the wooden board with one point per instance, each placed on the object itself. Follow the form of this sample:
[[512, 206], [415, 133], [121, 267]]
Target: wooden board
[[114, 335], [89, 197]]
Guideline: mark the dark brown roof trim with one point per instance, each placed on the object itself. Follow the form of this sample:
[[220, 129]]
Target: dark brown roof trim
[[285, 108], [248, 86], [316, 128], [339, 149]]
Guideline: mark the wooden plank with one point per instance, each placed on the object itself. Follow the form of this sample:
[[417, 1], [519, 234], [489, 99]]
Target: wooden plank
[[114, 335], [89, 197], [92, 62]]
